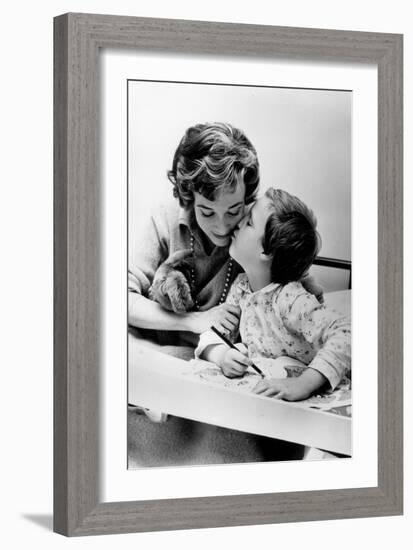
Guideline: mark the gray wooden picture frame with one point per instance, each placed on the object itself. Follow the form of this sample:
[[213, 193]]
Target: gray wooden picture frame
[[78, 39]]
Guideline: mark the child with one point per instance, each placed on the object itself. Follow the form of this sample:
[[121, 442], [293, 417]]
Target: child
[[276, 243]]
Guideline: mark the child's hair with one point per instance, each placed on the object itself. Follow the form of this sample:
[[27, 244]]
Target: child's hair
[[290, 236], [210, 158]]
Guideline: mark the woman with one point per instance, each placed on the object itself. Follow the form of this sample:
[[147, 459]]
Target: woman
[[215, 174]]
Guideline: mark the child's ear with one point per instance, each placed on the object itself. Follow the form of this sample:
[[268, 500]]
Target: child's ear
[[266, 257]]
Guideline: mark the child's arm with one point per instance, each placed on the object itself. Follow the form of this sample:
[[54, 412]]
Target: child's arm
[[291, 389], [213, 353], [211, 347], [233, 362], [328, 332]]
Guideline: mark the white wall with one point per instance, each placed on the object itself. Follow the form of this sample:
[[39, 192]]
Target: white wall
[[26, 274], [302, 137]]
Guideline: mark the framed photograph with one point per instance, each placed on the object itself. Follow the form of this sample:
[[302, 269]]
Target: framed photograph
[[228, 274]]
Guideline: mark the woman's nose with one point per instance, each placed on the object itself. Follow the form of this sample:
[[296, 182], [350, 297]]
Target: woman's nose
[[224, 226]]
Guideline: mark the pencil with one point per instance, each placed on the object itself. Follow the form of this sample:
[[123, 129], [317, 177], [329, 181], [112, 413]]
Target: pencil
[[231, 345]]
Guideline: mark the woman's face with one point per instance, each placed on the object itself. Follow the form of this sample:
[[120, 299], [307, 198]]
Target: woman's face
[[218, 218]]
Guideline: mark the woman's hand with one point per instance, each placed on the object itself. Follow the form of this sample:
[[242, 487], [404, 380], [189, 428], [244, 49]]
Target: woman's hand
[[310, 285], [224, 318], [235, 361]]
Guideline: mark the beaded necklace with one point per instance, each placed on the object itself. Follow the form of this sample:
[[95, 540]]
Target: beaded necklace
[[192, 274]]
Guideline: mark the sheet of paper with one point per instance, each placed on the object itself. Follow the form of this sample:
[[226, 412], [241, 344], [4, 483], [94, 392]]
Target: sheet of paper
[[336, 402]]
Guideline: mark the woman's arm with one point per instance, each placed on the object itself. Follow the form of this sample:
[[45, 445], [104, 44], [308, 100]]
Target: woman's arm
[[143, 313], [153, 249], [148, 253]]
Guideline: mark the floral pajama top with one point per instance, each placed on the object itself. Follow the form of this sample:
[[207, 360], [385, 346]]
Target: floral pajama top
[[288, 321]]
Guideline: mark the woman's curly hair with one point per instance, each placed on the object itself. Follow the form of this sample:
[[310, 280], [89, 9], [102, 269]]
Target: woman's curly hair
[[210, 158]]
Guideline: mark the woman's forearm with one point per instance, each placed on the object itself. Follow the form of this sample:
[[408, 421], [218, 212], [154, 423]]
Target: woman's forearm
[[144, 313]]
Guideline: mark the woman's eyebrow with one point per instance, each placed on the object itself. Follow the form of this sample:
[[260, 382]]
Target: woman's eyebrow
[[240, 203]]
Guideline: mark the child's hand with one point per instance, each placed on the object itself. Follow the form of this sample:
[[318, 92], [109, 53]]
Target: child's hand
[[291, 389], [235, 361]]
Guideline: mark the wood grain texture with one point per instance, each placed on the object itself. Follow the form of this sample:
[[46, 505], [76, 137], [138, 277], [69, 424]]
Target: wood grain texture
[[390, 272], [60, 486], [78, 38]]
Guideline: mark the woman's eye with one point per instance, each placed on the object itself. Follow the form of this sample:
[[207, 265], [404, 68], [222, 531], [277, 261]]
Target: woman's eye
[[207, 215], [233, 214]]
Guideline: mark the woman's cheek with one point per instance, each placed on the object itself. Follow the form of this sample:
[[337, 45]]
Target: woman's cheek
[[202, 222], [238, 219]]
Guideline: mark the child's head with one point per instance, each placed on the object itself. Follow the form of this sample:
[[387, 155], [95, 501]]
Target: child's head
[[278, 235], [215, 172]]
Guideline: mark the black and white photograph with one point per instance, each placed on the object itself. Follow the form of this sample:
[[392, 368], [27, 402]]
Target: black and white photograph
[[239, 274], [203, 267]]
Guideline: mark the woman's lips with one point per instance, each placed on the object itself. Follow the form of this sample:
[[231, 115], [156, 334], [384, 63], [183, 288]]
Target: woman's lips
[[221, 236]]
